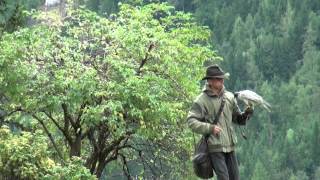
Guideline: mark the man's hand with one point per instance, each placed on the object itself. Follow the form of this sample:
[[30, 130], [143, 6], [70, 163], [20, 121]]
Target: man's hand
[[216, 130], [249, 110]]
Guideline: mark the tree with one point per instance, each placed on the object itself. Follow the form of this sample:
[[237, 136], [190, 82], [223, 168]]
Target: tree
[[11, 13], [108, 89]]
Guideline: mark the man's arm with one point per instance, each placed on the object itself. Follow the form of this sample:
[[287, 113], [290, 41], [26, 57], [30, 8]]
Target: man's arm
[[196, 120]]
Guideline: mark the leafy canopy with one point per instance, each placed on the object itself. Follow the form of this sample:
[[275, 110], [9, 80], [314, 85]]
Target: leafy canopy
[[102, 84]]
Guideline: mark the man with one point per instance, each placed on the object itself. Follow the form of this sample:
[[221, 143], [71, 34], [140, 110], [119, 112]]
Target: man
[[222, 137]]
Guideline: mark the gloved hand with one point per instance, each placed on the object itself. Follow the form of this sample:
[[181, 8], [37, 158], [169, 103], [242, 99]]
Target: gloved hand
[[249, 110]]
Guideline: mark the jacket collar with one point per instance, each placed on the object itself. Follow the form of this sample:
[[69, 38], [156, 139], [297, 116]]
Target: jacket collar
[[206, 89]]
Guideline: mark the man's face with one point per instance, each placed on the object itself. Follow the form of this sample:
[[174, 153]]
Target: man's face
[[216, 83]]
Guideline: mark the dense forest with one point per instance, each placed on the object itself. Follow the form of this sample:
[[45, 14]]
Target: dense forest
[[101, 88]]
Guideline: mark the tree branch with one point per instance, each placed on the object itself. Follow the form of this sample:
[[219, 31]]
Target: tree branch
[[82, 107], [14, 111], [64, 131], [91, 138], [151, 46], [116, 143], [115, 148], [50, 136], [67, 116], [53, 120], [125, 167], [144, 162]]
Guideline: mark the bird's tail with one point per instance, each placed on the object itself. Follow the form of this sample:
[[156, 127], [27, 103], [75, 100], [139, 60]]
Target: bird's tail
[[267, 106]]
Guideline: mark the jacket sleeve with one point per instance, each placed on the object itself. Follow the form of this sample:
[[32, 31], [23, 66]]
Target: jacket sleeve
[[196, 120], [239, 117]]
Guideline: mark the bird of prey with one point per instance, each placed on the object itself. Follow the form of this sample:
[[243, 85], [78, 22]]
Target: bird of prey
[[251, 98]]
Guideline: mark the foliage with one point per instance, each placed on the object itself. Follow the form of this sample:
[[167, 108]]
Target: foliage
[[108, 89], [73, 169], [26, 156], [23, 156]]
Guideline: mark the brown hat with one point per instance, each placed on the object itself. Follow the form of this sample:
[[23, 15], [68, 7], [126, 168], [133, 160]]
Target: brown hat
[[214, 71]]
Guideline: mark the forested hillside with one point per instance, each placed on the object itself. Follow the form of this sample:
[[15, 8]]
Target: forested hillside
[[272, 47], [110, 82]]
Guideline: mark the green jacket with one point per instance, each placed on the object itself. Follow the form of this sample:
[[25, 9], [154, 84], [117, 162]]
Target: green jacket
[[204, 109]]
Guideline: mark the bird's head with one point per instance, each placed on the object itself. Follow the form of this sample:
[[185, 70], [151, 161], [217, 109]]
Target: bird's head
[[236, 94]]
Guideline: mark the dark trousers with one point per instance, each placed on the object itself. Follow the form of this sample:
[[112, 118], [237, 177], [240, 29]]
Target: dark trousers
[[225, 165]]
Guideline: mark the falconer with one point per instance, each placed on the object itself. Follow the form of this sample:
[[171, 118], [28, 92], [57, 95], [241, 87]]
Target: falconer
[[222, 137]]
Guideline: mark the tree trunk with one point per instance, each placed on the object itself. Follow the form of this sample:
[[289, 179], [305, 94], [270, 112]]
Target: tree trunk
[[100, 168], [76, 146], [91, 162], [62, 8]]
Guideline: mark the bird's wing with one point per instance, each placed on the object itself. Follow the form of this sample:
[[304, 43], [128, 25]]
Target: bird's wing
[[253, 98], [252, 95]]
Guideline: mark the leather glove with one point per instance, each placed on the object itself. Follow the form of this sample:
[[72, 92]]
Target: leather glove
[[248, 110]]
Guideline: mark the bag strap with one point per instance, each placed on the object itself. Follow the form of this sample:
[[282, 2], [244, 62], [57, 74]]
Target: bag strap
[[216, 118]]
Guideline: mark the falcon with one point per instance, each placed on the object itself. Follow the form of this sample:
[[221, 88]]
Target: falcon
[[251, 98]]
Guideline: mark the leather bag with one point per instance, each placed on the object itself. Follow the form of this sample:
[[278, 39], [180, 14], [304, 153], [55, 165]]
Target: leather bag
[[201, 160]]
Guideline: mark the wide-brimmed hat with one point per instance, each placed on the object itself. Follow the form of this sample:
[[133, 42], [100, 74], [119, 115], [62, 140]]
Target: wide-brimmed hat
[[214, 71]]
